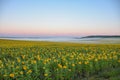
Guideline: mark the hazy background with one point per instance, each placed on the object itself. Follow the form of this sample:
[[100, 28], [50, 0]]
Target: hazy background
[[59, 17]]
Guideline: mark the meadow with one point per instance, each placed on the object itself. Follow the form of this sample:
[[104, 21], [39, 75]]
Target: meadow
[[34, 60]]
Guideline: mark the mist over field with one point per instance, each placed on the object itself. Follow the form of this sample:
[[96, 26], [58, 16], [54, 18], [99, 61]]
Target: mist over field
[[69, 39]]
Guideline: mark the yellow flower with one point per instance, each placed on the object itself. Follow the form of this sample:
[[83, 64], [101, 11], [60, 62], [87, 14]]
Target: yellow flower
[[23, 62], [55, 60], [64, 66], [45, 74], [71, 56], [119, 60], [12, 75], [80, 62], [17, 67], [33, 61], [24, 67], [86, 62], [0, 61], [18, 60], [23, 56], [59, 65], [21, 72], [38, 57], [73, 64], [29, 71], [12, 65], [1, 65], [96, 60]]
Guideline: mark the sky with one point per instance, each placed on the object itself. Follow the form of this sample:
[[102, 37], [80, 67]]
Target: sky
[[59, 17]]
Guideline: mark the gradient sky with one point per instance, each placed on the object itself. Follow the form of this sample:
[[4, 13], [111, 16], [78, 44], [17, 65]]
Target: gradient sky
[[59, 17]]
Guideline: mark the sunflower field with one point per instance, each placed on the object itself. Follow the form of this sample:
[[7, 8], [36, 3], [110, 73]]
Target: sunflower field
[[33, 60]]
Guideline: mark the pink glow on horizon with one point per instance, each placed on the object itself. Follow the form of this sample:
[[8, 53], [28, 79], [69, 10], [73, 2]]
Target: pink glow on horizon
[[55, 33]]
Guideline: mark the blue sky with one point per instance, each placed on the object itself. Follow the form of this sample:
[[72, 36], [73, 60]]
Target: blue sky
[[59, 17]]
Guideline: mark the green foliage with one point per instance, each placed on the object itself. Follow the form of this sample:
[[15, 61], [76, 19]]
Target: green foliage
[[58, 60]]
